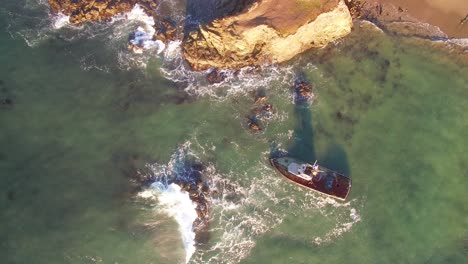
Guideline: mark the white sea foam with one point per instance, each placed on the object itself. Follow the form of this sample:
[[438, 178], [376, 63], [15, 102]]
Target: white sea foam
[[138, 14], [143, 35], [177, 204], [345, 224], [60, 20], [240, 213], [460, 42], [236, 82], [144, 40], [173, 50], [171, 199]]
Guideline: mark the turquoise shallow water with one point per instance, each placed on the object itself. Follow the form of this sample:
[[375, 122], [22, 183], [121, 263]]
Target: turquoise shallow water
[[388, 112]]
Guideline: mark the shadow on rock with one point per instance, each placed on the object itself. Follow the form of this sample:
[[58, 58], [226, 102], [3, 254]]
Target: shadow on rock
[[201, 12]]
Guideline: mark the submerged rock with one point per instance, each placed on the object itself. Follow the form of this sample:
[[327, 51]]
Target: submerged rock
[[92, 10], [6, 101], [215, 76], [254, 126], [302, 92], [261, 112], [260, 97], [191, 180], [198, 191], [11, 195], [166, 30], [269, 31]]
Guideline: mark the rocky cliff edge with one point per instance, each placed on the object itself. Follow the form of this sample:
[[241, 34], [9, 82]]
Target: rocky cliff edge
[[270, 31]]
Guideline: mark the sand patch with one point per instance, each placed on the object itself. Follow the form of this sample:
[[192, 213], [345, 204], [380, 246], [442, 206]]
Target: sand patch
[[445, 14]]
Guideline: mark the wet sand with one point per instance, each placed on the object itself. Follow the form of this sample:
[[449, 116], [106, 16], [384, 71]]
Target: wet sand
[[445, 14]]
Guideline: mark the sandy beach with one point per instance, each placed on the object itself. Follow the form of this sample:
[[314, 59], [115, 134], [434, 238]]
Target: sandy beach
[[446, 14]]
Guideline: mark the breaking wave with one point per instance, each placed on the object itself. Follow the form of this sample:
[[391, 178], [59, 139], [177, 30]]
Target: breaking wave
[[172, 200], [245, 207], [235, 82], [35, 24], [177, 204]]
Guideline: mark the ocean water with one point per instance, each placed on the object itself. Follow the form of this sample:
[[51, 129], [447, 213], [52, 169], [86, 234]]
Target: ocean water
[[81, 115]]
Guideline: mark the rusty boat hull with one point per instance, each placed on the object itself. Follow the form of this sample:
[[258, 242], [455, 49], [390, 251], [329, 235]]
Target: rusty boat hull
[[314, 177]]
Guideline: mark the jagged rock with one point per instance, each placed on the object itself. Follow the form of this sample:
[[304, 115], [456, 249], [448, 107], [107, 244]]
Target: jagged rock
[[198, 190], [205, 189], [193, 195], [167, 30], [260, 99], [135, 48], [303, 89], [215, 76], [97, 10], [302, 92], [262, 111], [267, 107], [254, 126], [269, 31], [356, 7], [259, 96]]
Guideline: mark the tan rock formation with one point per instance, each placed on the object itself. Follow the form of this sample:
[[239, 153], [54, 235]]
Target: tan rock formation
[[97, 10], [269, 31]]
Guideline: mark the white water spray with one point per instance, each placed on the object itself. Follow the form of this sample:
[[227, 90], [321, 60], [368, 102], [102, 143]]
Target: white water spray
[[143, 36], [177, 204], [61, 21]]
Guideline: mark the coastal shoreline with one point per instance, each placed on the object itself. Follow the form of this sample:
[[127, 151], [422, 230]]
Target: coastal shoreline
[[451, 16]]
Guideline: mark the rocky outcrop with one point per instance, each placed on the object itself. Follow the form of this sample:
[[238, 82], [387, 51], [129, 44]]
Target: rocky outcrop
[[270, 31], [303, 92], [97, 10], [190, 179]]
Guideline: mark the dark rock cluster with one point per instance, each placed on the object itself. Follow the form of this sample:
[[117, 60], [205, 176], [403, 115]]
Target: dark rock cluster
[[215, 76], [190, 178], [166, 30], [302, 92], [198, 189], [261, 110], [97, 10]]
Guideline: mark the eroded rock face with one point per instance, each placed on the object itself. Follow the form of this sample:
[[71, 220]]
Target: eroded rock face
[[269, 31], [97, 10]]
